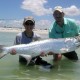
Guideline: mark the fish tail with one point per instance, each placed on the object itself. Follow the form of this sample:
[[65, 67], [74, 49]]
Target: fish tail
[[2, 54], [2, 51], [1, 48]]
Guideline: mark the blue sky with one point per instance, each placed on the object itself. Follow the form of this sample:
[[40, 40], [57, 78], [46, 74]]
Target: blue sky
[[13, 11]]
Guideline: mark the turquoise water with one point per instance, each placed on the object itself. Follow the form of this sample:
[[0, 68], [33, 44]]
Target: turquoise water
[[10, 69]]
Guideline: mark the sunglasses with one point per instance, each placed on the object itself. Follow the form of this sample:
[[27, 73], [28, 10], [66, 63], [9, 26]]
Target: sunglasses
[[28, 23]]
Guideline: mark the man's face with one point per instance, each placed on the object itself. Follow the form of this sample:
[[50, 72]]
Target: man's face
[[58, 16], [29, 25]]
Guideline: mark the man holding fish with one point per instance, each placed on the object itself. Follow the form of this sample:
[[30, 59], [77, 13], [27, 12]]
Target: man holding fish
[[25, 37], [63, 28], [60, 28]]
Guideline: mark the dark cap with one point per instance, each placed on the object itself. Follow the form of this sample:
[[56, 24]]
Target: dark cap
[[29, 18]]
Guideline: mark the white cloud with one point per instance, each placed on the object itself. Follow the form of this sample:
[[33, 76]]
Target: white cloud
[[36, 7], [72, 11], [40, 24], [43, 24], [78, 22], [11, 23], [15, 23], [2, 23]]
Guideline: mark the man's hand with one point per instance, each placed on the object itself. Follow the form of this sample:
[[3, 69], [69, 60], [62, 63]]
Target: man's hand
[[42, 54], [13, 52]]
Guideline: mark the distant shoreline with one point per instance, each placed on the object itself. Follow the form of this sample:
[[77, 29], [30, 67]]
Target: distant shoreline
[[17, 30]]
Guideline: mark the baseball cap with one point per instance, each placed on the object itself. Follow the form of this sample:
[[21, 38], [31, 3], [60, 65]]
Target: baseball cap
[[58, 8], [29, 18]]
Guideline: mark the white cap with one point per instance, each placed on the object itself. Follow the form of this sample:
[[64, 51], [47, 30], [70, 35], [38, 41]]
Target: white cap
[[58, 8]]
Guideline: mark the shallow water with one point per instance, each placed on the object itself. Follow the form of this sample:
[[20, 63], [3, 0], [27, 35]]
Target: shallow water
[[10, 69]]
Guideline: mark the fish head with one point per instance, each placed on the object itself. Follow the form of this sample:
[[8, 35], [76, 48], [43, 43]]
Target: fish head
[[77, 41]]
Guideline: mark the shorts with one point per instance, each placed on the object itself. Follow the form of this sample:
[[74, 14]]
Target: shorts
[[22, 60], [37, 60], [71, 55]]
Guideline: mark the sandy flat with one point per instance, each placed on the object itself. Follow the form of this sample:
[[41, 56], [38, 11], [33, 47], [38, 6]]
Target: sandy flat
[[20, 30]]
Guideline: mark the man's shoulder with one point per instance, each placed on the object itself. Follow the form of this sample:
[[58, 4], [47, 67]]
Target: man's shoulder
[[52, 26], [70, 20], [36, 35], [19, 34]]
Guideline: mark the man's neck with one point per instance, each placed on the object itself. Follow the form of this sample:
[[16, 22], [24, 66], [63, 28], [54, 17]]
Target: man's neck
[[29, 34], [61, 23]]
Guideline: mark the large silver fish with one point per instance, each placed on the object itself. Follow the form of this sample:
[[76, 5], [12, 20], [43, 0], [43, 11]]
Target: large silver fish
[[57, 46]]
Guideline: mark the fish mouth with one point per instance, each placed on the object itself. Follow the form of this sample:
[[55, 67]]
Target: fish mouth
[[78, 41], [78, 38]]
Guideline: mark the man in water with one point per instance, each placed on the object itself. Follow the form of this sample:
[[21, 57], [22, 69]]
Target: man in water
[[63, 28], [27, 36]]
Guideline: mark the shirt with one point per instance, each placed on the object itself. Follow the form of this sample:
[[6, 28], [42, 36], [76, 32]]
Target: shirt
[[69, 29], [22, 38]]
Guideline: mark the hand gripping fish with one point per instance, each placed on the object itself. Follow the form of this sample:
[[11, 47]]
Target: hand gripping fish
[[57, 46]]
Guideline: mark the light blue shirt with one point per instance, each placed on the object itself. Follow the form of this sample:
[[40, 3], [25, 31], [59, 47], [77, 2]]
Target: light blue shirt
[[69, 29]]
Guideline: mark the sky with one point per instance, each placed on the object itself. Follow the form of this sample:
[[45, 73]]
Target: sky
[[12, 12]]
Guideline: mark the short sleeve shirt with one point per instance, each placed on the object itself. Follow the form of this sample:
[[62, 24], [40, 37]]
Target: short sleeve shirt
[[21, 38], [69, 29]]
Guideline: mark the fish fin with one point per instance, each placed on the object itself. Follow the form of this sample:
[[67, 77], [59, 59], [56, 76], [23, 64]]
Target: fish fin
[[64, 50], [27, 57]]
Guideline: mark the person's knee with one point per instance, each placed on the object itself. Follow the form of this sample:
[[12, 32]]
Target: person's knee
[[57, 57], [71, 55], [22, 60]]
